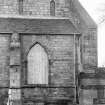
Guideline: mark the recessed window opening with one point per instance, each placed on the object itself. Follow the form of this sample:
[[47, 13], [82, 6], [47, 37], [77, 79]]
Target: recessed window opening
[[37, 65], [52, 8]]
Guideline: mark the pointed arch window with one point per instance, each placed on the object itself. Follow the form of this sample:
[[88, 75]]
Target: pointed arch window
[[52, 8], [37, 65]]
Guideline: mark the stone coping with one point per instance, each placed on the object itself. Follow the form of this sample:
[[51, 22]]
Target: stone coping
[[32, 17]]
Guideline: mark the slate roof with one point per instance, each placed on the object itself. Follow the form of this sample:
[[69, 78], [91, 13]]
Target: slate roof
[[84, 14], [47, 26]]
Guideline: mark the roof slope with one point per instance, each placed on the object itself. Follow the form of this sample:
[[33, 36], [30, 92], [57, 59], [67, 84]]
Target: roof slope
[[52, 26], [84, 14]]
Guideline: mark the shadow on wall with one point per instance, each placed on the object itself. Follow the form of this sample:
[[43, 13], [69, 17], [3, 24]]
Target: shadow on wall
[[4, 98]]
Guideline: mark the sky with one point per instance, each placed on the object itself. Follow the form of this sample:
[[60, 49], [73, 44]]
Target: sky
[[96, 9]]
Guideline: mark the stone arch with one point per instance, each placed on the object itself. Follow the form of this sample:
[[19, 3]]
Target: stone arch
[[37, 65]]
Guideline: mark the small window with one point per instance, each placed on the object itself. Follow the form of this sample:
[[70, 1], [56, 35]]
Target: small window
[[20, 6], [52, 8], [37, 65]]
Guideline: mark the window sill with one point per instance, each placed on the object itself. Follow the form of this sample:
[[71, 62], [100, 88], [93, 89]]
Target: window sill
[[46, 86]]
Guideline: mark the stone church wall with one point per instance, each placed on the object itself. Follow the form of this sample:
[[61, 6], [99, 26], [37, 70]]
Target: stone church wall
[[62, 8], [9, 7], [34, 7], [60, 54], [88, 40], [90, 49], [4, 59], [61, 64], [87, 96], [88, 30], [4, 67]]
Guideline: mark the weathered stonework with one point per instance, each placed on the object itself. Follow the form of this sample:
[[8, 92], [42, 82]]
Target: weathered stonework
[[4, 60], [9, 7], [69, 39], [15, 70], [60, 56]]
